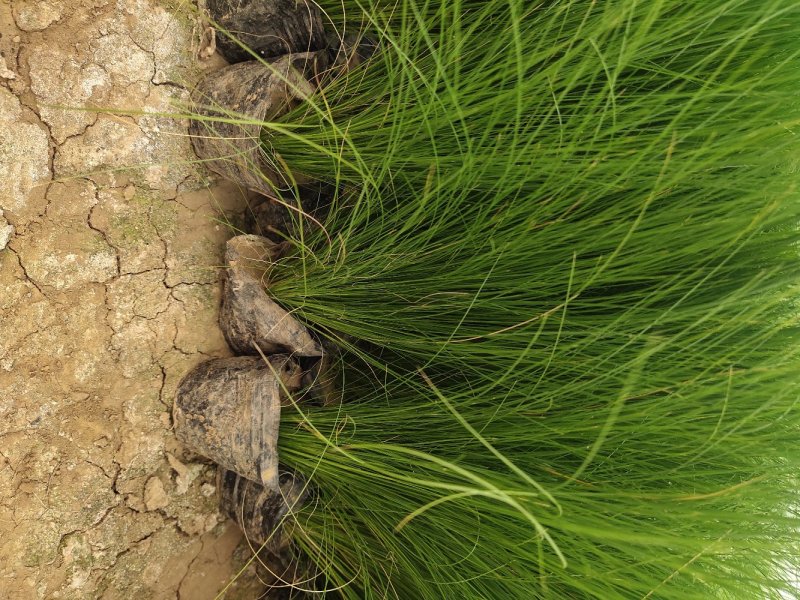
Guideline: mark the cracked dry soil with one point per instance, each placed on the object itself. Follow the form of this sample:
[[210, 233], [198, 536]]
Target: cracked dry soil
[[109, 291]]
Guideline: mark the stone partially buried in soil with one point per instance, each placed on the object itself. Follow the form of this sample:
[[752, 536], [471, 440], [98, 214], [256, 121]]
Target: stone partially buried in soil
[[350, 50], [268, 27], [228, 410], [259, 511], [255, 92], [304, 209], [250, 320]]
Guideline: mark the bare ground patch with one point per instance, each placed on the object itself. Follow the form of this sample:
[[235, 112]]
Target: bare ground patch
[[109, 292]]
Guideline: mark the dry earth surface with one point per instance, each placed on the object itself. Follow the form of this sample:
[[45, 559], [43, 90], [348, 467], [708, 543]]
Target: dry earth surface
[[109, 287]]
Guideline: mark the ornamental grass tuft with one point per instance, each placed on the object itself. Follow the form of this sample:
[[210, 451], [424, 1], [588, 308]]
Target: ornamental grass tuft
[[562, 267]]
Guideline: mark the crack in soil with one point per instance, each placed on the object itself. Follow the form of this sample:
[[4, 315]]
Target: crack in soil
[[98, 392]]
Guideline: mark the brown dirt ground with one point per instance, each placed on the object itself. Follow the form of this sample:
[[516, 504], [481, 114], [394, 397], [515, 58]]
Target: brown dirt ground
[[109, 288]]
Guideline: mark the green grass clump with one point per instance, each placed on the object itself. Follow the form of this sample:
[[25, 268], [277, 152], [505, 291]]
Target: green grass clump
[[563, 269]]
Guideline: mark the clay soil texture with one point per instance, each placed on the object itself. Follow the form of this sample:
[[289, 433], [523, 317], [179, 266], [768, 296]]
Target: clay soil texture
[[111, 240]]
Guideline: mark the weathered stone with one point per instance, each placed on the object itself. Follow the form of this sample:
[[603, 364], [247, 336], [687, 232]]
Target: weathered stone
[[268, 27], [261, 511], [256, 92], [5, 72], [251, 321], [228, 410]]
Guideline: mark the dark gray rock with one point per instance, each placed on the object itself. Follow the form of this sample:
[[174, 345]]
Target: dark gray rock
[[261, 511], [254, 92], [228, 410], [308, 208], [350, 50], [269, 28], [250, 320]]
